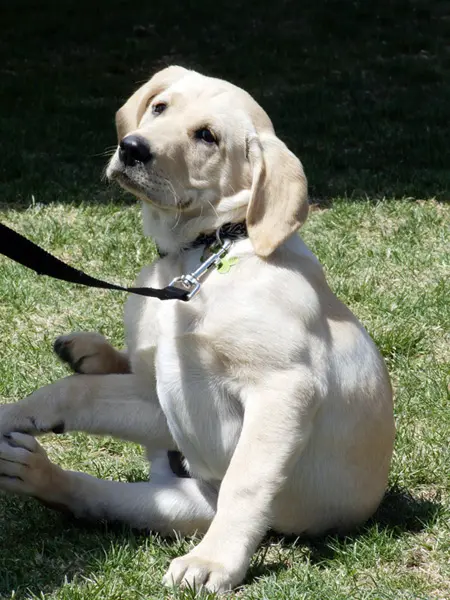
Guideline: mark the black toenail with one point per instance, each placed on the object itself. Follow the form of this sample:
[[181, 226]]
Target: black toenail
[[62, 349], [58, 428], [77, 366]]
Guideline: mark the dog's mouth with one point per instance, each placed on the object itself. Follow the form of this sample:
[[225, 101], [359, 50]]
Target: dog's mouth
[[125, 181], [118, 177], [128, 183]]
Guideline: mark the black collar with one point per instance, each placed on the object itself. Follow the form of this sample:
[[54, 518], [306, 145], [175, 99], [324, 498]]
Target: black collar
[[230, 231]]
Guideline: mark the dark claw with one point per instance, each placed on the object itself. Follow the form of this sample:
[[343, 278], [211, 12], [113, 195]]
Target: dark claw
[[58, 428], [176, 463], [76, 366], [62, 349]]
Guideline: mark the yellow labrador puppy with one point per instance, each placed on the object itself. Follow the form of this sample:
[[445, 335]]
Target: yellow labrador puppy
[[266, 383]]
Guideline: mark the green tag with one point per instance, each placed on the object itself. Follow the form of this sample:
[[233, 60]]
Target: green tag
[[226, 263]]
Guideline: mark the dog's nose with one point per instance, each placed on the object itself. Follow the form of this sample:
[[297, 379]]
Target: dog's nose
[[133, 149]]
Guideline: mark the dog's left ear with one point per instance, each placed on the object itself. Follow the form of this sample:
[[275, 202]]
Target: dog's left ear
[[130, 114], [279, 194]]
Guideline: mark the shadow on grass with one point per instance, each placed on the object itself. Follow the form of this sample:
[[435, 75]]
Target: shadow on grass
[[357, 89], [42, 550], [400, 513]]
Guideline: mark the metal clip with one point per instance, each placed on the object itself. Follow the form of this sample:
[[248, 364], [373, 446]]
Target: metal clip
[[191, 282]]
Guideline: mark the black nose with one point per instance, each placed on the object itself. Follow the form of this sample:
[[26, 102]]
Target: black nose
[[133, 149]]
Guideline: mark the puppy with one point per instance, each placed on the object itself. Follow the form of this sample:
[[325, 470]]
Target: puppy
[[264, 381]]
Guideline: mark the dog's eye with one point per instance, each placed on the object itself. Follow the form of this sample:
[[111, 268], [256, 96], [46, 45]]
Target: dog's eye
[[206, 135], [157, 109]]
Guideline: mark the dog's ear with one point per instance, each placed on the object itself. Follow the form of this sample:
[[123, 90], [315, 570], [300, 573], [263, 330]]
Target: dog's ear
[[279, 194], [129, 116]]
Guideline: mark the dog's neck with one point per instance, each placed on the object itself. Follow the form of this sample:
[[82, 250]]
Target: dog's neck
[[175, 232]]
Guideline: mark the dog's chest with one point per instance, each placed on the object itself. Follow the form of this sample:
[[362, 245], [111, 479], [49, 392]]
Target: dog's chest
[[204, 418], [203, 415]]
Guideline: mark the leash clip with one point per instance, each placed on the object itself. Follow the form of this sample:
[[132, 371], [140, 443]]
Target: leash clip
[[191, 282]]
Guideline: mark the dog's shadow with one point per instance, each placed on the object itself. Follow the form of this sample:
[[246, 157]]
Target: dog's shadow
[[398, 514], [41, 550]]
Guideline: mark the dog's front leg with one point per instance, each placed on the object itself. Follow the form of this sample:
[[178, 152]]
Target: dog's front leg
[[276, 427], [100, 404]]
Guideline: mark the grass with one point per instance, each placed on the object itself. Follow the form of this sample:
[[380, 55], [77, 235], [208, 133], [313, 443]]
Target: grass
[[388, 261], [359, 92]]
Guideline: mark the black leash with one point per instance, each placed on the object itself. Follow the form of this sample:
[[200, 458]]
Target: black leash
[[27, 253]]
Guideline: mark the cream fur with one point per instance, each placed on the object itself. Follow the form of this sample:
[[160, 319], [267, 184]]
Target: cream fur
[[266, 382]]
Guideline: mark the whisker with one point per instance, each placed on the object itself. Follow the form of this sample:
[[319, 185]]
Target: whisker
[[103, 175], [107, 152], [214, 208], [177, 220]]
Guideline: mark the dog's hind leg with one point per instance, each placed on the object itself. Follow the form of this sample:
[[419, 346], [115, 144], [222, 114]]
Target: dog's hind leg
[[91, 353], [167, 504]]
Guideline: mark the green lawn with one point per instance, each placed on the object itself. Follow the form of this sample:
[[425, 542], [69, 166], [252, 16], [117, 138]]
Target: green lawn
[[359, 90]]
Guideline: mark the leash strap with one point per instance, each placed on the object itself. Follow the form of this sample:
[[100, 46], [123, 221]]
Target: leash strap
[[27, 253]]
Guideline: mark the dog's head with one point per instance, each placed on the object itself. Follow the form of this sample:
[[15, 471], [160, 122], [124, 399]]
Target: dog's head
[[200, 150]]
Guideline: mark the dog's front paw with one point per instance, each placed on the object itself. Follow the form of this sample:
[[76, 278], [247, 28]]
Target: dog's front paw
[[199, 572], [25, 467], [82, 351], [89, 353]]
